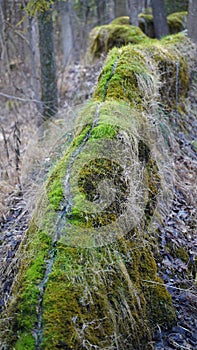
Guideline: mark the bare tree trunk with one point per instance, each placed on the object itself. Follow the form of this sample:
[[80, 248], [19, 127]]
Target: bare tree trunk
[[192, 16], [159, 18], [133, 6], [120, 8], [101, 11], [32, 45], [110, 15], [49, 96], [4, 56], [66, 31]]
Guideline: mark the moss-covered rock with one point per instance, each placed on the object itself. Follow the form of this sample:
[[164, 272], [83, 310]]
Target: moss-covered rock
[[104, 38], [87, 277], [146, 24], [119, 33], [176, 6], [177, 22], [124, 20]]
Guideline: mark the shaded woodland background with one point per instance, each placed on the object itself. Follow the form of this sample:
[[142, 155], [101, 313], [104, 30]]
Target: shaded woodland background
[[28, 30]]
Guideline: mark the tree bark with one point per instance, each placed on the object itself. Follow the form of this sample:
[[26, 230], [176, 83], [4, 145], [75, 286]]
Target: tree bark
[[159, 18], [101, 11], [133, 12], [66, 31], [120, 8], [32, 44], [192, 16], [49, 96]]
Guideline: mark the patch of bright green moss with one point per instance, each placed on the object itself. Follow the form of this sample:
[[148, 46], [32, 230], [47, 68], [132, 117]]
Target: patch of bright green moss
[[103, 131], [26, 342], [79, 139]]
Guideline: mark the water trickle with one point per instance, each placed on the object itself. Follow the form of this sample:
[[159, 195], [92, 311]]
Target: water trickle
[[66, 208], [61, 222], [42, 286]]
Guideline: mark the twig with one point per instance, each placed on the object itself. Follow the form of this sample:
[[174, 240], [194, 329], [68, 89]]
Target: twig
[[19, 98], [17, 32], [166, 285]]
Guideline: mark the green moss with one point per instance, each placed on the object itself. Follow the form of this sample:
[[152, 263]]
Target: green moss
[[54, 183], [27, 291], [26, 342], [73, 308], [124, 20], [110, 283], [103, 131], [120, 81], [177, 22], [107, 74], [79, 139], [104, 38], [56, 193], [119, 33], [194, 144], [147, 17], [159, 303], [146, 24]]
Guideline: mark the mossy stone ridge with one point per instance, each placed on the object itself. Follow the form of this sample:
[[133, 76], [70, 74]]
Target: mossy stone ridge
[[119, 33], [107, 296]]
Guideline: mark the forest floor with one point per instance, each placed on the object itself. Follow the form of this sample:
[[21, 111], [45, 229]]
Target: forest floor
[[178, 230]]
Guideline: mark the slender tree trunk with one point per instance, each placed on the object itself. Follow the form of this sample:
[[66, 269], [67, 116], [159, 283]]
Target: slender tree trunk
[[101, 11], [133, 6], [159, 18], [109, 11], [66, 31], [192, 17], [120, 8], [49, 96], [32, 45]]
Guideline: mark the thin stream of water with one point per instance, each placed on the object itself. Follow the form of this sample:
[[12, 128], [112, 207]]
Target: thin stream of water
[[61, 221]]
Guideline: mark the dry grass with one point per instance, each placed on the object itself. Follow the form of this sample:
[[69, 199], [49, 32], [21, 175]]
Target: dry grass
[[21, 148]]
